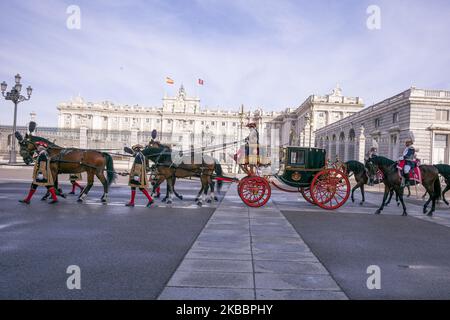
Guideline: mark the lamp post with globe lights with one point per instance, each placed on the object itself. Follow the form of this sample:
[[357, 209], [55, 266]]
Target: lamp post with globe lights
[[15, 96]]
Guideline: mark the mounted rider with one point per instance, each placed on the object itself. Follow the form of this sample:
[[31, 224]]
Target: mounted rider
[[42, 174], [138, 176], [373, 151], [407, 161], [372, 176]]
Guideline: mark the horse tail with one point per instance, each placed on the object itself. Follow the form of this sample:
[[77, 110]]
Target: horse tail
[[437, 189], [444, 170], [219, 172], [111, 175]]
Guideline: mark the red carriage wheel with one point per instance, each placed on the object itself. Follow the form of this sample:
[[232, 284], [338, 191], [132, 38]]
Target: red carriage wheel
[[330, 189], [254, 191], [306, 193]]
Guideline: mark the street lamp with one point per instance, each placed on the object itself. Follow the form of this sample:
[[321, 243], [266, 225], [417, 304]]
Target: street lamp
[[15, 96]]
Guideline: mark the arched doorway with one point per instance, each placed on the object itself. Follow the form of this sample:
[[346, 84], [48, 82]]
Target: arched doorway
[[333, 148]]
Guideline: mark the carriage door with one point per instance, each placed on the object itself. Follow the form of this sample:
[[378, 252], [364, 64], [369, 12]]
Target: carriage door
[[440, 148]]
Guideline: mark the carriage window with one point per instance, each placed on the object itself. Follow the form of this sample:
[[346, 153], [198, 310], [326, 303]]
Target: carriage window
[[297, 157]]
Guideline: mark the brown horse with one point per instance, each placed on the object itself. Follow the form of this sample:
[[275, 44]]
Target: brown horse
[[182, 167], [392, 181], [73, 160]]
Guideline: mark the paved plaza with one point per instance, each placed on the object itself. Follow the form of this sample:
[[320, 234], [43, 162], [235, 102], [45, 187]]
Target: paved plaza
[[288, 249]]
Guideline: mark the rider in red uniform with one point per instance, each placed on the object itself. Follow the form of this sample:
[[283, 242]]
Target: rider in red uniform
[[409, 155]]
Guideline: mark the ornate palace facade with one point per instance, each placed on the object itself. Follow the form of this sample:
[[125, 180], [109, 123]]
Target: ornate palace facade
[[297, 126], [386, 125], [179, 117]]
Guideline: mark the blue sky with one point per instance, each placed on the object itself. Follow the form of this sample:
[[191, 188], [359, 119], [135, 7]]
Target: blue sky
[[269, 54]]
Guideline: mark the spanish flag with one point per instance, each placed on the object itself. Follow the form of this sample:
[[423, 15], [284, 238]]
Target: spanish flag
[[169, 80]]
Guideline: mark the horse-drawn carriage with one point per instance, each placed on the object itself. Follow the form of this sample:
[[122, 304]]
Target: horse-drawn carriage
[[305, 170]]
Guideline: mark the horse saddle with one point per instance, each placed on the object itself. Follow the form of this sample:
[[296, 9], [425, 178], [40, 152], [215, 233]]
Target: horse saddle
[[414, 173]]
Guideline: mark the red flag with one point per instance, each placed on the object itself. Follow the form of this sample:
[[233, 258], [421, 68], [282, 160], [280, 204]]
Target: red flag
[[169, 80], [200, 82]]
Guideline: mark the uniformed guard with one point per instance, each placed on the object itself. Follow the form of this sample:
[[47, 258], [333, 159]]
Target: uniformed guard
[[74, 178], [42, 174], [409, 155], [138, 176], [252, 145]]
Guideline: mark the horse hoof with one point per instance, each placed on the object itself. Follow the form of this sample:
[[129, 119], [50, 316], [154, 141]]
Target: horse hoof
[[169, 202], [361, 203], [430, 214], [199, 204], [164, 200], [209, 201], [446, 202], [180, 197], [71, 192], [53, 202], [216, 199], [80, 200], [404, 214], [398, 204], [44, 198], [378, 212], [63, 195], [353, 200]]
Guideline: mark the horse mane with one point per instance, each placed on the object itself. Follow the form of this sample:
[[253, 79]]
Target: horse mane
[[48, 142], [383, 160], [355, 166]]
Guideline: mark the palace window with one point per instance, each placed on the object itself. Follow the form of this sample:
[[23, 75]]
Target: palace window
[[213, 123], [442, 115], [395, 117], [377, 122], [223, 124], [147, 120], [191, 121], [234, 124]]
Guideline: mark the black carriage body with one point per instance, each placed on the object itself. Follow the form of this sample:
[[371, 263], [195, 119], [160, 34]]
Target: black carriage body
[[299, 165]]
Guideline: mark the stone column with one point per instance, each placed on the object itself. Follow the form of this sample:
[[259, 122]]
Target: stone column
[[83, 137], [361, 144], [346, 156], [338, 148], [133, 136]]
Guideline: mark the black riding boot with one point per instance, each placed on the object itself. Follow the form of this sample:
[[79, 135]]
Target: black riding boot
[[405, 179]]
